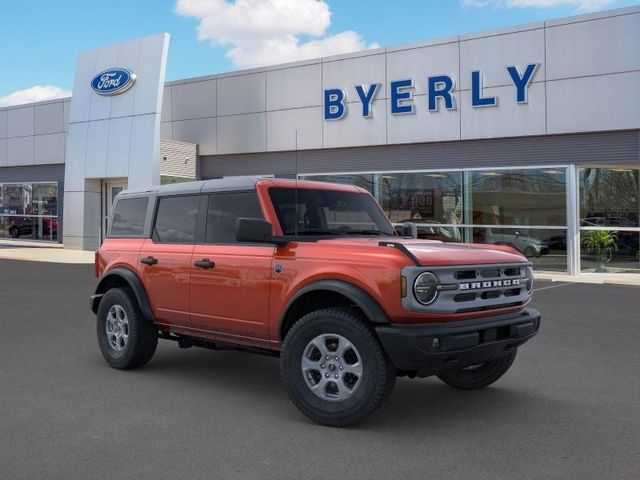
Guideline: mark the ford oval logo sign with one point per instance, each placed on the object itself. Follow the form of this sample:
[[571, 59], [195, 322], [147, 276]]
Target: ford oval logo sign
[[113, 81]]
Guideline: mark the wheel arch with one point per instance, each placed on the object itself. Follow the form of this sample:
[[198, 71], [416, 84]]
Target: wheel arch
[[329, 293], [122, 277]]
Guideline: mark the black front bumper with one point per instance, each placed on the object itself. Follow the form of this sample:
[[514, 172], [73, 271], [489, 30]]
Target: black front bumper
[[429, 349]]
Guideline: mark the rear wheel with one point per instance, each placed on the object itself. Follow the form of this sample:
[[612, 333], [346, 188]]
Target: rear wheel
[[481, 375], [334, 369], [126, 338]]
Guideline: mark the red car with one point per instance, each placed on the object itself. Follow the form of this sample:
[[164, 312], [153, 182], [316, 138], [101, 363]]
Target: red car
[[25, 226], [313, 273]]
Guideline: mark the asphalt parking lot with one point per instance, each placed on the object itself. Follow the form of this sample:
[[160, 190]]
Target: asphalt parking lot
[[569, 408]]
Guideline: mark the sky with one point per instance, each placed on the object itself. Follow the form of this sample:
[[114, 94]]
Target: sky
[[40, 39]]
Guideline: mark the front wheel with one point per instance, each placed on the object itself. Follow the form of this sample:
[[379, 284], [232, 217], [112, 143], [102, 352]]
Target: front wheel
[[481, 375], [334, 369], [126, 338]]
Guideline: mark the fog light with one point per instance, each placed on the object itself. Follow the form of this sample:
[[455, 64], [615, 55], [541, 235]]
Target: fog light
[[435, 344]]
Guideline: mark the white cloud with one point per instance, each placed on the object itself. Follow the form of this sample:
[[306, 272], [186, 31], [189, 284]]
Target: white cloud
[[265, 32], [36, 93], [580, 5]]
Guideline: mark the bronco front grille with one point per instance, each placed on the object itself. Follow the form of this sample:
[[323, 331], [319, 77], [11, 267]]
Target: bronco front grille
[[472, 288]]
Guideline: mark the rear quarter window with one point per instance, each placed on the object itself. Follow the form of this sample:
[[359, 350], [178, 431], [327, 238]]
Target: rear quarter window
[[128, 217]]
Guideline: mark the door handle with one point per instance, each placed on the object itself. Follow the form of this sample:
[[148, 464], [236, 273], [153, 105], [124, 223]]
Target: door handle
[[149, 260], [204, 263]]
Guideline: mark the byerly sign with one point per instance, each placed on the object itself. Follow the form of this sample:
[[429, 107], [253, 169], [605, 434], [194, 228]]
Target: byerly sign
[[113, 81], [440, 90]]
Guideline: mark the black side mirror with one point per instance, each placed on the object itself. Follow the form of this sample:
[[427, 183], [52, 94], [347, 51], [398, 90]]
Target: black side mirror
[[409, 229], [256, 230]]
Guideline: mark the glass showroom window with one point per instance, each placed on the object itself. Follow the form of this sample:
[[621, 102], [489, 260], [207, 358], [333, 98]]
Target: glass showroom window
[[432, 200], [359, 180], [29, 211], [523, 208], [609, 219]]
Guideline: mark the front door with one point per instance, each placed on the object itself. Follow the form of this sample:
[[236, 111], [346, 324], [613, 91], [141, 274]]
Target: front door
[[229, 281], [109, 191]]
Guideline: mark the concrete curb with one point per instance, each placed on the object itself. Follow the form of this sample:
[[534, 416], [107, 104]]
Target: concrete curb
[[631, 279]]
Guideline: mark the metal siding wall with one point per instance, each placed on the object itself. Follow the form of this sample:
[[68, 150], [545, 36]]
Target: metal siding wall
[[176, 153], [33, 173], [608, 147]]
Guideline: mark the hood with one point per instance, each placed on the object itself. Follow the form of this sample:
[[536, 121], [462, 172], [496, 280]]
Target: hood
[[431, 252], [437, 253]]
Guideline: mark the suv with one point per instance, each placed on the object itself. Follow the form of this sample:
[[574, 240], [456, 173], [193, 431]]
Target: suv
[[313, 273]]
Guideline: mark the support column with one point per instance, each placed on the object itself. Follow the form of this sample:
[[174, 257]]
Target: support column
[[573, 219]]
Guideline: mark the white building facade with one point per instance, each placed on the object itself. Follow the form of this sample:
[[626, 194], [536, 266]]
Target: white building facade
[[527, 136]]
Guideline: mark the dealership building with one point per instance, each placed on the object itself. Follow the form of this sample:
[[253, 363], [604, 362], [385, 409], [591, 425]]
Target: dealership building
[[527, 136]]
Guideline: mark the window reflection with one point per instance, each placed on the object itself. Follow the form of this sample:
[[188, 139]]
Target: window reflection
[[444, 205], [518, 197], [29, 211], [609, 251], [609, 197], [545, 248], [430, 197], [359, 180]]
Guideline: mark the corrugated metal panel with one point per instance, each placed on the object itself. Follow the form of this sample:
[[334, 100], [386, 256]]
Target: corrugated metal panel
[[178, 159], [33, 173], [607, 147]]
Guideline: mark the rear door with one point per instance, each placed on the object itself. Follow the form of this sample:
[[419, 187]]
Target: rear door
[[165, 258], [230, 281]]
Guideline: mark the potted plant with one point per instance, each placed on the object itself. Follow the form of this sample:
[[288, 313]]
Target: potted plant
[[603, 242]]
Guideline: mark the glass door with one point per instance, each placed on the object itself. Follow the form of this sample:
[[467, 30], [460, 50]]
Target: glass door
[[110, 189]]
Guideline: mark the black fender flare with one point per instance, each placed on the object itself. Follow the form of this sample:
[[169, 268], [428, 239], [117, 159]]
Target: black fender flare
[[362, 299], [133, 281]]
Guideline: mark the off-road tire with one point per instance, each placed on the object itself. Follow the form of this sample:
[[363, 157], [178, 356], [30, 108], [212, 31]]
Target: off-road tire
[[378, 377], [142, 334], [480, 376]]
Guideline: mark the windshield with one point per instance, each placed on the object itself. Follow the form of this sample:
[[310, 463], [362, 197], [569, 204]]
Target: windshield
[[328, 213]]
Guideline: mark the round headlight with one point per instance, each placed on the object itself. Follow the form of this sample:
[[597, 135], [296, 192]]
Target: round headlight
[[425, 288], [529, 279]]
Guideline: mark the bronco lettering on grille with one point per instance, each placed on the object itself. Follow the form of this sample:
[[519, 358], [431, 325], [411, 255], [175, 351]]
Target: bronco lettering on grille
[[489, 284]]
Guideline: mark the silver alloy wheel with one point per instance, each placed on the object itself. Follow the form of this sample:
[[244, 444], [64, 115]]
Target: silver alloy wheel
[[117, 327], [332, 367]]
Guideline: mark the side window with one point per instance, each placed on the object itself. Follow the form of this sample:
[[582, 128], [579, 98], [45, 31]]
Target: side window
[[128, 217], [224, 209], [176, 219]]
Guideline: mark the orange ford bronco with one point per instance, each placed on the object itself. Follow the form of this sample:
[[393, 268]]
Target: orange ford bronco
[[313, 273]]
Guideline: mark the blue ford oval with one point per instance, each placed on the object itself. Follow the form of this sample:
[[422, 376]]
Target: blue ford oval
[[113, 81]]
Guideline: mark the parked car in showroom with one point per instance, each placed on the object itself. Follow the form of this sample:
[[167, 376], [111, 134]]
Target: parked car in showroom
[[25, 227], [528, 246]]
